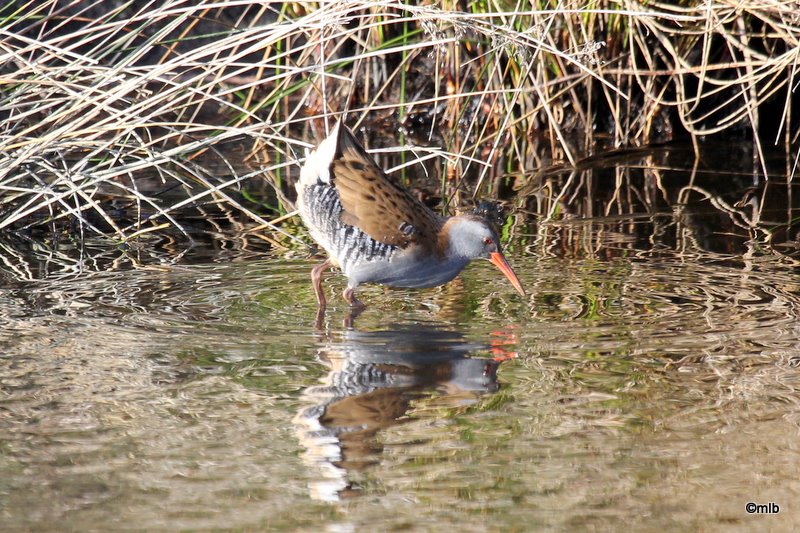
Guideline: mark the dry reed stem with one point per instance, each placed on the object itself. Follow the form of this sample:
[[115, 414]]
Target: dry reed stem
[[89, 115]]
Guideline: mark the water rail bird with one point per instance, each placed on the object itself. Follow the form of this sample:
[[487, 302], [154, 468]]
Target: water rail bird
[[375, 231]]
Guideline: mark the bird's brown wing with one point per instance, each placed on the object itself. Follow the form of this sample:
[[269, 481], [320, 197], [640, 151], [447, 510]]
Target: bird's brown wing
[[377, 205]]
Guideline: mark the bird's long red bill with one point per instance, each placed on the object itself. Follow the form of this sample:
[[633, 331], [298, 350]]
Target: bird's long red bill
[[498, 260]]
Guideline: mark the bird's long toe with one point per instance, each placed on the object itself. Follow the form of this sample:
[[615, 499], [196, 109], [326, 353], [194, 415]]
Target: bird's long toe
[[350, 296]]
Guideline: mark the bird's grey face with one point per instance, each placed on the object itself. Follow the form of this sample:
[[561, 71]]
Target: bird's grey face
[[472, 238]]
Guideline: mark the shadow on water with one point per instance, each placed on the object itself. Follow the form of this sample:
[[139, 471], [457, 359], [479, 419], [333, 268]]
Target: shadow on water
[[374, 378]]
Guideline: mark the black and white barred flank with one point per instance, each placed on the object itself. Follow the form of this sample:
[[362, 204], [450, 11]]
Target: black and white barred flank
[[348, 245]]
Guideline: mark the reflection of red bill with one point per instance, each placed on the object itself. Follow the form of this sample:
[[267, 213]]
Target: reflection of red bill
[[501, 354], [501, 339]]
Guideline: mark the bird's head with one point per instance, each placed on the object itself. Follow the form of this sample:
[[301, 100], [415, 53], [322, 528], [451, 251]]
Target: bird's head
[[473, 237]]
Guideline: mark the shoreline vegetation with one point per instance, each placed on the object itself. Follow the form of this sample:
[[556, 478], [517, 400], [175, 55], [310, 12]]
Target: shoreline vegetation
[[118, 118]]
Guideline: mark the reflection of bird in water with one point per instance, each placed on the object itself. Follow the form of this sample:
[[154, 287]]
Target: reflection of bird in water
[[374, 376], [376, 232]]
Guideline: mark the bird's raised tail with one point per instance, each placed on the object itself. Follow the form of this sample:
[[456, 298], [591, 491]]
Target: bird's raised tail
[[339, 144], [317, 166]]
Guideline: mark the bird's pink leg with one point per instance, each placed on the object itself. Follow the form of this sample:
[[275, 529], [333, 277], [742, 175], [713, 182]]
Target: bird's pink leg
[[350, 295], [316, 280]]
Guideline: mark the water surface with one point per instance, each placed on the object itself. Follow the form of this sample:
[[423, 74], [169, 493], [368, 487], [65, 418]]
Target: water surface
[[649, 378]]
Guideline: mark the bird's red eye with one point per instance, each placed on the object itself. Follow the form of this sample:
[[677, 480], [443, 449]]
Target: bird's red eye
[[487, 240]]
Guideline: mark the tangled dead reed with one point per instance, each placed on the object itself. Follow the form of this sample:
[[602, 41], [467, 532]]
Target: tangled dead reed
[[132, 107]]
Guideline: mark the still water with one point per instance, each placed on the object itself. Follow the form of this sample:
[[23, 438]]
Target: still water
[[647, 380]]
